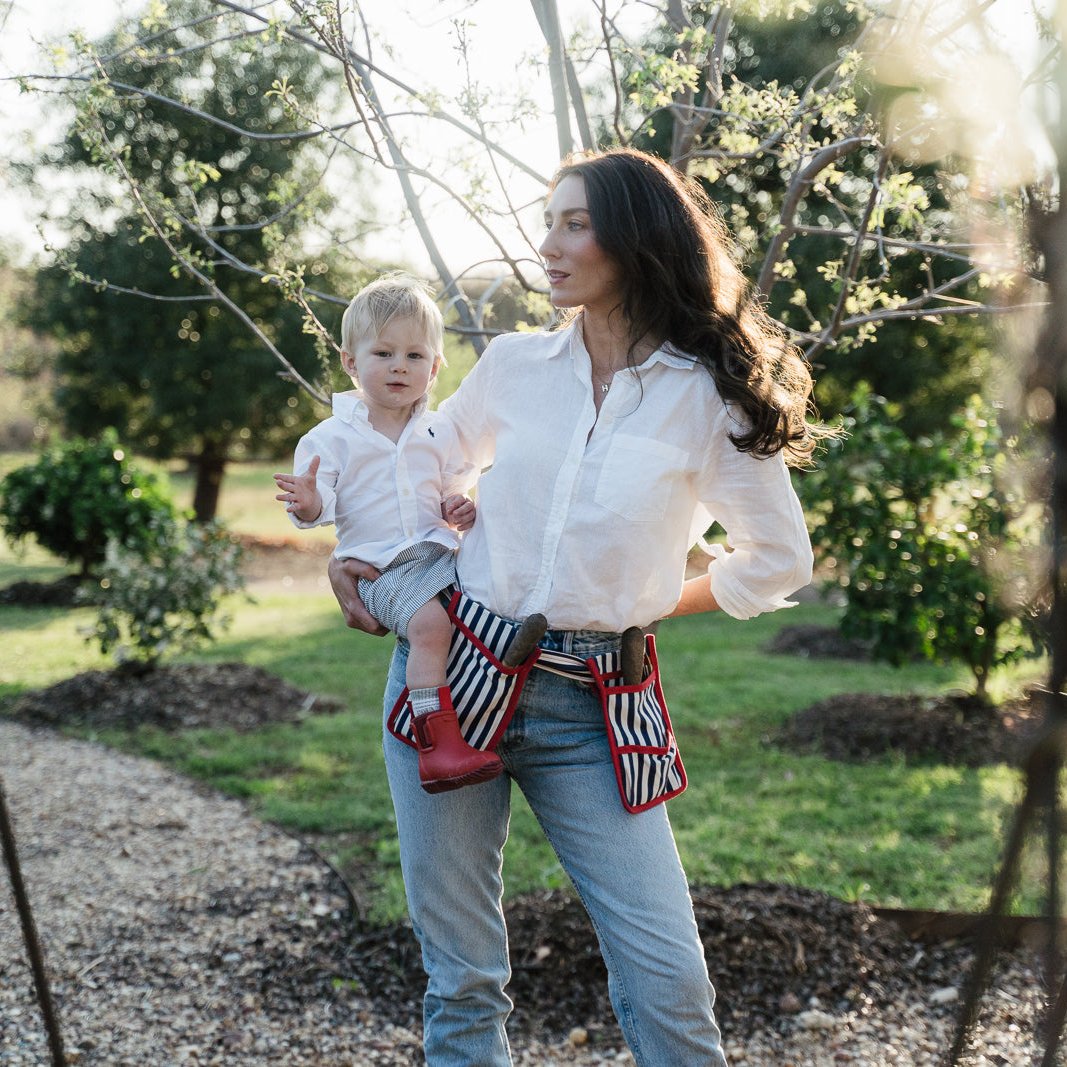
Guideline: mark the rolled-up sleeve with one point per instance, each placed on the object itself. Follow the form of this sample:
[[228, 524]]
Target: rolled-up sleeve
[[767, 556]]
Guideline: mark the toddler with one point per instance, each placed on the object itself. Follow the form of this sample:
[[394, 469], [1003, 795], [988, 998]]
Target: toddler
[[389, 475]]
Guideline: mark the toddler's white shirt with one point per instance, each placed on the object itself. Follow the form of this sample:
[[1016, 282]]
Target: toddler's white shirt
[[383, 497], [589, 519]]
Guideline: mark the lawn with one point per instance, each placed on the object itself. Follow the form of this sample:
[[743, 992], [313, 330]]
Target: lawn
[[891, 832]]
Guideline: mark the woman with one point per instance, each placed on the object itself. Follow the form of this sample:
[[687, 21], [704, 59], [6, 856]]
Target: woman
[[665, 401]]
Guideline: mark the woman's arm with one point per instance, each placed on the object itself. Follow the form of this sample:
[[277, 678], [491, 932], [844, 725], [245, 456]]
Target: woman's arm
[[768, 555], [696, 597], [344, 574]]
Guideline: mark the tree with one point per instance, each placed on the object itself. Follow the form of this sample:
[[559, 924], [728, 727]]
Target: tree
[[923, 367], [144, 346], [817, 172]]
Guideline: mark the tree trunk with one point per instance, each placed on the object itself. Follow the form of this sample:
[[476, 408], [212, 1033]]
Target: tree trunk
[[548, 19], [210, 465]]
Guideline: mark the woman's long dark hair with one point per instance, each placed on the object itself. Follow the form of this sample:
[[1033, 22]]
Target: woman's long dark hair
[[680, 284]]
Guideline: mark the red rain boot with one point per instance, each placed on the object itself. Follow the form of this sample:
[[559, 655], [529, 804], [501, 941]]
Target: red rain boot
[[446, 761]]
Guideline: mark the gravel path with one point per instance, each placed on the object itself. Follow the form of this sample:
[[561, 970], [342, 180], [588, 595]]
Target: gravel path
[[179, 930]]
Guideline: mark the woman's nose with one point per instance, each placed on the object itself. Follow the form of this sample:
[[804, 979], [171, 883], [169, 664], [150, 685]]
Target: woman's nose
[[546, 250]]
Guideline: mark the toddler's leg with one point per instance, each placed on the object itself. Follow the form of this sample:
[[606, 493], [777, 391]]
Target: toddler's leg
[[446, 761], [429, 634]]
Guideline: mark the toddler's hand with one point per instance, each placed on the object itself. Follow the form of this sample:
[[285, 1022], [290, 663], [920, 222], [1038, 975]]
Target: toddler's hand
[[459, 511], [300, 493]]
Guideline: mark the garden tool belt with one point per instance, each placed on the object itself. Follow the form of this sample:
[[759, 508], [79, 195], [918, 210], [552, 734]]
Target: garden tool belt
[[648, 767]]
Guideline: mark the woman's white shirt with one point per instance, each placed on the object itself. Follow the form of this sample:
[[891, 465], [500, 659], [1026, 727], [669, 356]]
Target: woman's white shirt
[[589, 519], [383, 496]]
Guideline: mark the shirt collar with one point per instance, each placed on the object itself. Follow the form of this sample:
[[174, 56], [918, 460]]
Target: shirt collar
[[667, 353], [352, 408]]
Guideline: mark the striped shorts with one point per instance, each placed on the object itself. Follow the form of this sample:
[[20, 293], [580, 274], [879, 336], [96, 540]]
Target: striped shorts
[[410, 580]]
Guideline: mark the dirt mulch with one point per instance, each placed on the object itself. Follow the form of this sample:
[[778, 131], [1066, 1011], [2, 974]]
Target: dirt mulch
[[61, 593], [773, 950], [953, 728], [817, 642], [183, 696]]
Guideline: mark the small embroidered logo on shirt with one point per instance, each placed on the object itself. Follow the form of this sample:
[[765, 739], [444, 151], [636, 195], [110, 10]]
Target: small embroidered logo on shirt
[[429, 430]]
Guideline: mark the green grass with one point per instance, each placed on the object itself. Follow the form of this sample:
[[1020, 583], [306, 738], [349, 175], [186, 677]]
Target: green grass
[[891, 832]]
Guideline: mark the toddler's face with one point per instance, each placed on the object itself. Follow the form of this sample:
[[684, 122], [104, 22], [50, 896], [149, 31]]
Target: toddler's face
[[395, 369]]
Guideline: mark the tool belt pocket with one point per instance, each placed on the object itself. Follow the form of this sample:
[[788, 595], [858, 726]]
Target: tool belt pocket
[[484, 691], [648, 765]]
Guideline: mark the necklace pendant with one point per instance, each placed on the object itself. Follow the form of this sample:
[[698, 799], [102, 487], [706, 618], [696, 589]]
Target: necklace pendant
[[605, 386]]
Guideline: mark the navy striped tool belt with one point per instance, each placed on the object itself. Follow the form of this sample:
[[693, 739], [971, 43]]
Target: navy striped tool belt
[[648, 766]]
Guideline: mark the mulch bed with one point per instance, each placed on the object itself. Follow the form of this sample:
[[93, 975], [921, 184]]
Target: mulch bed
[[817, 642], [61, 593], [953, 728], [184, 696], [773, 951]]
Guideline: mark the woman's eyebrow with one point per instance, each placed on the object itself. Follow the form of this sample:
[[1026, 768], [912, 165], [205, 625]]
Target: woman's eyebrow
[[568, 212]]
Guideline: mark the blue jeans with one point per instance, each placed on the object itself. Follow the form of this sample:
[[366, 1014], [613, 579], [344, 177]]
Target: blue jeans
[[624, 867]]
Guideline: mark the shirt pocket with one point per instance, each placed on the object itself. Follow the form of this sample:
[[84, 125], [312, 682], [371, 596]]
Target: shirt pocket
[[637, 477]]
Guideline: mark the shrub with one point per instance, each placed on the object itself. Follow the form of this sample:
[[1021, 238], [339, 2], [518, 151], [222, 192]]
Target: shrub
[[79, 496], [163, 597], [924, 539]]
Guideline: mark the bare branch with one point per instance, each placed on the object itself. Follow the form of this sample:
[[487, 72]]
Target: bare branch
[[361, 62], [605, 30], [848, 276], [933, 314], [690, 121], [803, 179], [295, 136], [961, 251], [403, 172]]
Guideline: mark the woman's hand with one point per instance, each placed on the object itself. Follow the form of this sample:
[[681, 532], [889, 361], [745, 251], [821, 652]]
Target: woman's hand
[[344, 574]]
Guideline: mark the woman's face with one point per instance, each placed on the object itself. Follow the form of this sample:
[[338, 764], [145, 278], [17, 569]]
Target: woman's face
[[580, 273]]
